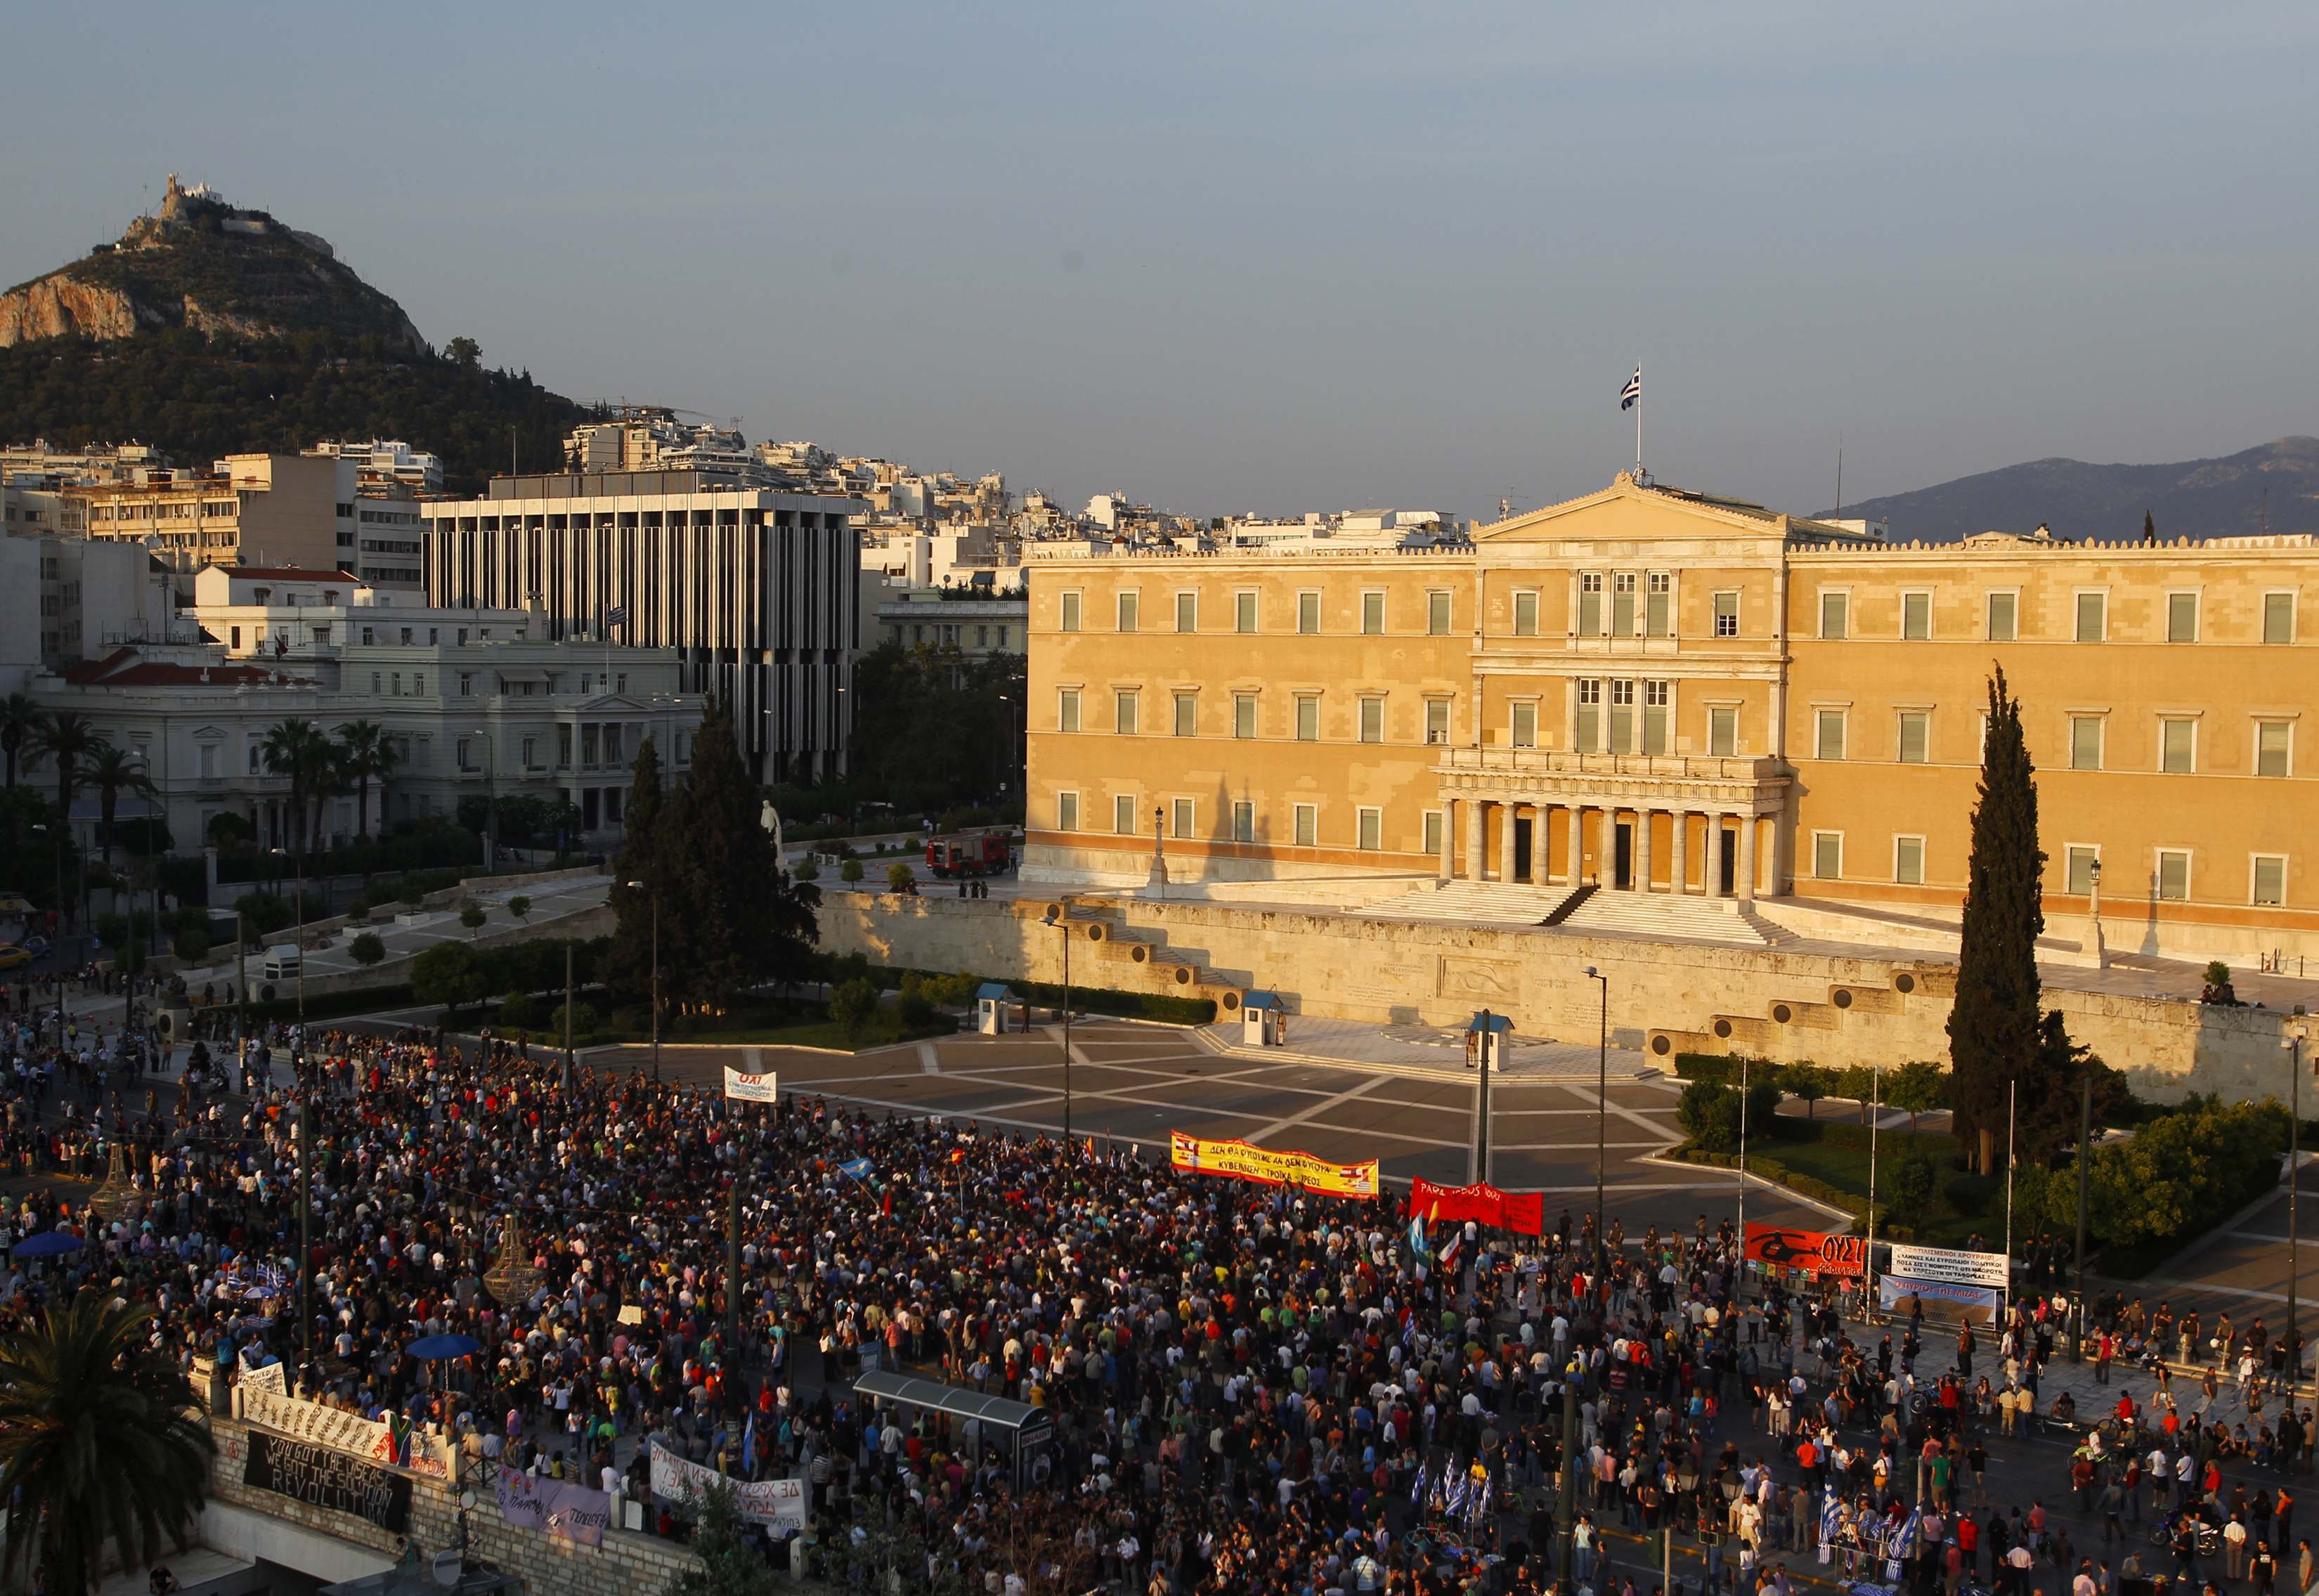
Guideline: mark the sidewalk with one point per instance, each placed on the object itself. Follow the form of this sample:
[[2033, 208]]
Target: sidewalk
[[1423, 1050]]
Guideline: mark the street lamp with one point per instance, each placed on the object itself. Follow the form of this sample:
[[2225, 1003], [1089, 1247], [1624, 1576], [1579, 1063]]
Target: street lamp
[[2298, 1033], [1601, 1115], [654, 897], [1058, 917]]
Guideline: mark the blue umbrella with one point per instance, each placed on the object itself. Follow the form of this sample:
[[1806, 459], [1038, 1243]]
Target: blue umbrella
[[439, 1347], [48, 1244]]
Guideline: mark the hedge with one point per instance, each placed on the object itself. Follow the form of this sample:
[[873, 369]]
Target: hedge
[[1134, 1005], [1778, 1174]]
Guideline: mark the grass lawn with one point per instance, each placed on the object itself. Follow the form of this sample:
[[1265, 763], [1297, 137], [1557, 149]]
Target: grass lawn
[[1836, 1153]]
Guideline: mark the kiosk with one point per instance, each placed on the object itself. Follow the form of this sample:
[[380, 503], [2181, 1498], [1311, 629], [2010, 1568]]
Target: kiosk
[[1485, 1040], [1017, 1429], [990, 1001], [1263, 1019]]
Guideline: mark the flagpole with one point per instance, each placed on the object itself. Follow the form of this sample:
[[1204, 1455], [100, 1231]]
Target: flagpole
[[1638, 419]]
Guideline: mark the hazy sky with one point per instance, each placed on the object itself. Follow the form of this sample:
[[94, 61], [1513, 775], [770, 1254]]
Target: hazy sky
[[1278, 257]]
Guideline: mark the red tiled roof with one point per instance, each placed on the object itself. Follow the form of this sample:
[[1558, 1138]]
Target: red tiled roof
[[123, 668]]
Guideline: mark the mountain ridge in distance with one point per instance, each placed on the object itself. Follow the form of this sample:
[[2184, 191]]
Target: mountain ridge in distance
[[2221, 497]]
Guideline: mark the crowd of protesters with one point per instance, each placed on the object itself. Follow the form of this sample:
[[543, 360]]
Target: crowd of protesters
[[1251, 1389]]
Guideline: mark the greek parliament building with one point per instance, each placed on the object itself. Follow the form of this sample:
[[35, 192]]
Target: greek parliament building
[[756, 589], [1656, 711]]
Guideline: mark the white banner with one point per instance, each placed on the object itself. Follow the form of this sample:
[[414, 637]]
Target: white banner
[[554, 1507], [417, 1450], [268, 1378], [778, 1504], [751, 1088], [1949, 1266]]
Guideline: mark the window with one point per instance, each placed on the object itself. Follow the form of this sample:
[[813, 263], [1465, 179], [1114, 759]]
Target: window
[[1657, 711], [2181, 617], [2085, 742], [2178, 744], [531, 753], [2173, 875], [1123, 813], [459, 753], [1727, 615], [1835, 611], [1525, 615], [1308, 614], [1915, 617], [1372, 720], [1909, 861], [1308, 717], [1071, 622], [1187, 612], [2003, 617], [2093, 617], [1187, 715], [1131, 606], [1067, 811], [1066, 709], [2270, 880], [1588, 736], [2274, 744], [1828, 855], [209, 760], [1590, 604], [1243, 822], [1122, 711], [1244, 610], [1524, 731], [1373, 614], [1370, 833], [1622, 717], [2278, 617], [1830, 742], [1437, 721], [563, 748], [375, 681], [1723, 733], [1916, 732], [591, 744], [1623, 604], [1183, 809], [1243, 715], [1308, 825], [419, 685], [1437, 612], [1433, 832], [1659, 605], [2084, 865]]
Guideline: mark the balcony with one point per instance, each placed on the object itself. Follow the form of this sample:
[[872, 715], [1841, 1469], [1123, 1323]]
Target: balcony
[[1530, 770]]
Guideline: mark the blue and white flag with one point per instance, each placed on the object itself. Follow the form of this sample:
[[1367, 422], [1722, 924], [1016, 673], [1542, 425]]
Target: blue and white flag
[[859, 1168], [618, 615], [749, 1447], [1417, 1248], [1904, 1543], [1831, 1514], [1631, 394]]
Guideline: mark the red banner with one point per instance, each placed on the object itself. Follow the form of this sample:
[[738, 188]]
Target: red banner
[[1484, 1204], [1815, 1250]]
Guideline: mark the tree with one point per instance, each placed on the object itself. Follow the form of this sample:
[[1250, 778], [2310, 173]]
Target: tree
[[1709, 1114], [69, 738], [852, 1004], [1918, 1087], [1993, 1023], [901, 877], [1806, 1081], [471, 916], [730, 1565], [20, 720], [367, 754], [295, 750], [1913, 1180], [851, 871], [113, 771], [228, 831], [98, 1442], [1858, 1082], [464, 351], [630, 968], [368, 948], [453, 974], [519, 907]]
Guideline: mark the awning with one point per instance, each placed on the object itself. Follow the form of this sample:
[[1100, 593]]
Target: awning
[[956, 1400], [1258, 997]]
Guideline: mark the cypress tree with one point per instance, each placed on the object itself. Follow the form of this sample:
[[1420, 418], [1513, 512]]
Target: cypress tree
[[1994, 1024], [630, 963]]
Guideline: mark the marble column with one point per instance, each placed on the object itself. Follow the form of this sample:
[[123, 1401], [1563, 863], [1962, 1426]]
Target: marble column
[[1714, 860], [1746, 882], [1578, 844], [1540, 829], [1678, 842], [1476, 841], [1448, 866], [1642, 849], [1507, 814]]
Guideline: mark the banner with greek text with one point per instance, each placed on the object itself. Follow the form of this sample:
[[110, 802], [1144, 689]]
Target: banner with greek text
[[751, 1088], [398, 1446], [778, 1504], [1521, 1212], [1949, 1265], [1242, 1161], [1820, 1252], [554, 1507]]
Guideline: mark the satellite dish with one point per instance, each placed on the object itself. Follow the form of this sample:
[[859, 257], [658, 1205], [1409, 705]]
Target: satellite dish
[[447, 1568]]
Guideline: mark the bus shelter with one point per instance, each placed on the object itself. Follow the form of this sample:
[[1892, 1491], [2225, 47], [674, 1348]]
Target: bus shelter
[[1017, 1428]]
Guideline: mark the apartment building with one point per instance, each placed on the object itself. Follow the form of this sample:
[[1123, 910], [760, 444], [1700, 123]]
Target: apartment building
[[757, 591], [1667, 693], [248, 510]]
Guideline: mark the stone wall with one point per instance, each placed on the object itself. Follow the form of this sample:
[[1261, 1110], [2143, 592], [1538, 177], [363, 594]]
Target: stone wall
[[1664, 997], [626, 1564]]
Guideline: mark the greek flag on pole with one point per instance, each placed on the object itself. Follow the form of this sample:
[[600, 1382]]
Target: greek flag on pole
[[1632, 393], [1831, 1515], [617, 616], [1417, 1237], [1904, 1545]]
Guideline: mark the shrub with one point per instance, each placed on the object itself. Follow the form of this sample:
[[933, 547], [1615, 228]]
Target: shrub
[[524, 1014], [807, 870], [1913, 1183], [264, 913], [193, 943], [454, 975], [916, 1002], [368, 948], [852, 1004], [586, 1020], [901, 877], [519, 907], [1709, 1114], [472, 918], [851, 871]]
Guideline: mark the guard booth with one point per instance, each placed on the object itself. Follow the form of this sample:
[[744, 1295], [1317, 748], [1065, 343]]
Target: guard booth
[[1485, 1040], [990, 1001], [1017, 1429], [1263, 1019]]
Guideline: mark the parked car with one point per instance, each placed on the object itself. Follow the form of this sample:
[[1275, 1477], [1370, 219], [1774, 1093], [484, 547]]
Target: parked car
[[14, 954]]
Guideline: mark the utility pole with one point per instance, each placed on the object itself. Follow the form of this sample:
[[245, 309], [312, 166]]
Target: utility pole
[[1569, 1465], [1875, 1112], [2085, 1148], [1482, 1127], [306, 1199], [733, 1269], [569, 1066], [241, 992]]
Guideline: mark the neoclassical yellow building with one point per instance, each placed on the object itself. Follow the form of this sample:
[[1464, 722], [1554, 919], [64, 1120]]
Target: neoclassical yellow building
[[1693, 701]]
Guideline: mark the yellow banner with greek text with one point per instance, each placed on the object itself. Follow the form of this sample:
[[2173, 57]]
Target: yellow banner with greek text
[[1242, 1161]]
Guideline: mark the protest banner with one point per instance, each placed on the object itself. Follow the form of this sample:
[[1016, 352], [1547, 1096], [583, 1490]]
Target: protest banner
[[399, 1444], [1241, 1160], [322, 1476], [1521, 1212], [1950, 1266], [1820, 1252], [778, 1504], [554, 1507], [751, 1088]]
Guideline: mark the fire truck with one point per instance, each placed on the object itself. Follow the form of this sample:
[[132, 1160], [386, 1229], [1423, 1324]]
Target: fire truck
[[969, 853]]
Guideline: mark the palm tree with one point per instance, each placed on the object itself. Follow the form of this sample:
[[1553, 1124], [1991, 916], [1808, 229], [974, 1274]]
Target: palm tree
[[288, 751], [113, 771], [368, 754], [20, 723], [70, 738], [99, 1440]]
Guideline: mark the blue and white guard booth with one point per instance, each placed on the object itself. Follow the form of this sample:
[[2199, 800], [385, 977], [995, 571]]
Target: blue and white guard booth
[[1485, 1040], [1263, 1018], [990, 1001]]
